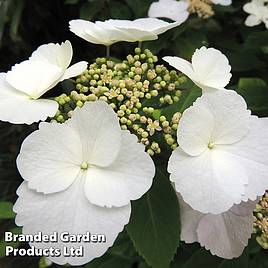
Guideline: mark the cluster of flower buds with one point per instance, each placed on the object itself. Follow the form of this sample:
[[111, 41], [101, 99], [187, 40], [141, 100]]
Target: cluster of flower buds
[[261, 221], [138, 89], [203, 8]]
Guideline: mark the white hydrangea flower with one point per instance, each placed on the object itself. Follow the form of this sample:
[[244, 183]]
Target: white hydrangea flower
[[222, 158], [22, 87], [258, 11], [225, 235], [171, 9], [111, 31], [222, 2], [209, 69], [81, 176]]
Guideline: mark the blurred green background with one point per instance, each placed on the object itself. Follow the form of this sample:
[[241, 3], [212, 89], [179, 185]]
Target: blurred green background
[[26, 24]]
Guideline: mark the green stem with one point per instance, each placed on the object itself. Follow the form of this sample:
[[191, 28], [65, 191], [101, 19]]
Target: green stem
[[140, 44]]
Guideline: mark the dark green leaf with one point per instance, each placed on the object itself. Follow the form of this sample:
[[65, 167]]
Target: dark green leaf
[[188, 97], [6, 210], [154, 225], [255, 92], [202, 258], [71, 2], [257, 40], [89, 10], [15, 20]]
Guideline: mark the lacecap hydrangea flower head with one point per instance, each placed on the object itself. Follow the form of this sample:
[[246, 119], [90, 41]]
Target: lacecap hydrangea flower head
[[81, 176], [83, 169]]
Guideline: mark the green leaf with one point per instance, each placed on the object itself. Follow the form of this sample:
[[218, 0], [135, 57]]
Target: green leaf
[[256, 40], [188, 97], [13, 244], [89, 10], [202, 258], [139, 10], [119, 11], [119, 255], [154, 225], [109, 261], [15, 20], [71, 2], [255, 92], [239, 60], [6, 210]]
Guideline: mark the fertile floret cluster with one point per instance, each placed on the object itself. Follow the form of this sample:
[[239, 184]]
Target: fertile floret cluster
[[138, 89], [203, 8], [261, 221]]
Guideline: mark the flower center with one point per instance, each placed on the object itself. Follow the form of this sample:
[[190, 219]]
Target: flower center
[[211, 145], [84, 165]]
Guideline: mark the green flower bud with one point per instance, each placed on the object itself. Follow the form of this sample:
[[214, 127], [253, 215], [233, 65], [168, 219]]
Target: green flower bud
[[145, 134], [148, 96], [123, 120], [170, 141], [137, 50], [165, 124], [162, 118], [150, 152], [79, 103]]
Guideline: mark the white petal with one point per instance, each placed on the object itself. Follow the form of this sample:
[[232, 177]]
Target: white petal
[[96, 33], [75, 70], [189, 221], [194, 130], [181, 65], [127, 178], [17, 108], [244, 208], [56, 54], [222, 2], [69, 211], [170, 9], [78, 27], [225, 235], [251, 152], [133, 30], [154, 25], [231, 117], [100, 134], [211, 67], [50, 158], [206, 182], [34, 77], [252, 20]]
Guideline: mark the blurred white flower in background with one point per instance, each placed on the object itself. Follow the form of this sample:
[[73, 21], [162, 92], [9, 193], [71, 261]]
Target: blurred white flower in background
[[225, 235], [209, 69], [222, 155], [171, 9], [81, 176], [180, 10], [258, 11], [112, 31], [22, 87]]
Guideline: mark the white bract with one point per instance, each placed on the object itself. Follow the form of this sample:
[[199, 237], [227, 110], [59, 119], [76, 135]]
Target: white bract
[[222, 158], [112, 31], [222, 2], [258, 13], [81, 176], [21, 88], [225, 235], [209, 69], [171, 9]]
